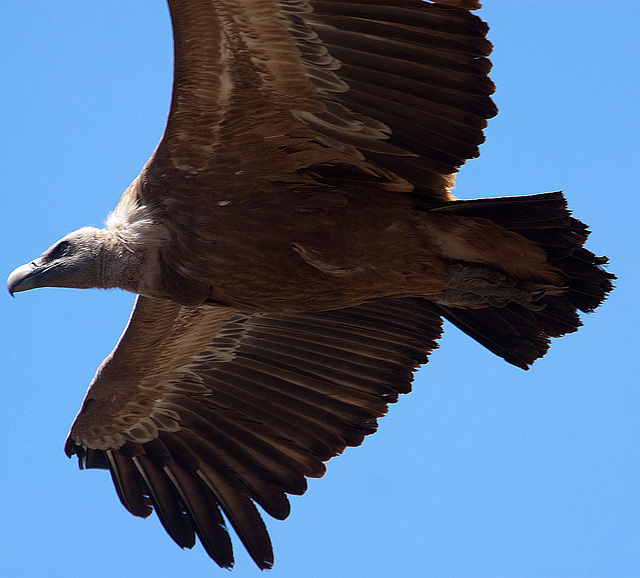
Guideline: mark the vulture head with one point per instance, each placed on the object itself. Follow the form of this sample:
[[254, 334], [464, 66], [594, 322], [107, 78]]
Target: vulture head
[[86, 258]]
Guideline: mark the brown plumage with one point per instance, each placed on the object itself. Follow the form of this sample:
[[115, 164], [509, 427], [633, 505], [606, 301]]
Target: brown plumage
[[295, 246]]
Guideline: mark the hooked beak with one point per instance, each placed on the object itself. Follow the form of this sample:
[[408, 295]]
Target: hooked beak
[[29, 276]]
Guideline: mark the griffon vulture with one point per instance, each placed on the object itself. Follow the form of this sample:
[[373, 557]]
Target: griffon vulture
[[295, 246]]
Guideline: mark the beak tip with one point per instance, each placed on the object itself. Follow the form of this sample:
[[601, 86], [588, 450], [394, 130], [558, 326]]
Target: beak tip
[[16, 281]]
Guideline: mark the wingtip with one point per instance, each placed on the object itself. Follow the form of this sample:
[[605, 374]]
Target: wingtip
[[464, 4]]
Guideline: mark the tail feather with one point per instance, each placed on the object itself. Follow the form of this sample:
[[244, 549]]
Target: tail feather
[[521, 335]]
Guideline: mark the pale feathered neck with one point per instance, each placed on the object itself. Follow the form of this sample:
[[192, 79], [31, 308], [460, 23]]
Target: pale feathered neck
[[132, 224]]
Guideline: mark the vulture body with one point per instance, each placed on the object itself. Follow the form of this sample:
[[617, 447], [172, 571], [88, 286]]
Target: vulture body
[[295, 247]]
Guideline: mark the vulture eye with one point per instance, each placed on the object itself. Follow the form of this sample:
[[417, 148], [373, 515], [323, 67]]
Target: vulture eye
[[60, 250]]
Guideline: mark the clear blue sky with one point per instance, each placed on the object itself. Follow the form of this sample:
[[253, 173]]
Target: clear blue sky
[[484, 470]]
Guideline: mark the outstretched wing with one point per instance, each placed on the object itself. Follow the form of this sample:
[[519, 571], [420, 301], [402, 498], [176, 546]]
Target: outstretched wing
[[273, 91], [201, 411]]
